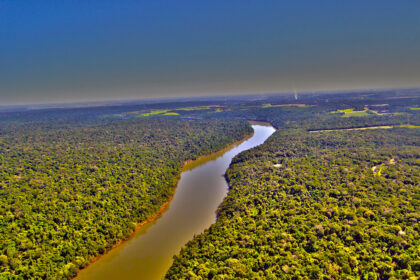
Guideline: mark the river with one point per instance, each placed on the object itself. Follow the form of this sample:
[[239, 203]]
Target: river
[[200, 190]]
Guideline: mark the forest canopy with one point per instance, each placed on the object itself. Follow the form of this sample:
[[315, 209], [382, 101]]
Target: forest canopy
[[68, 194]]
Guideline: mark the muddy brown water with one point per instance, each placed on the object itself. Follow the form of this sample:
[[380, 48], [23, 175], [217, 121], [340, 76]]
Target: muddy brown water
[[148, 254]]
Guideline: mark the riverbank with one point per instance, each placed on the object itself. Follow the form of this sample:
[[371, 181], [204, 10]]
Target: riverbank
[[262, 123], [138, 226], [190, 164], [187, 165]]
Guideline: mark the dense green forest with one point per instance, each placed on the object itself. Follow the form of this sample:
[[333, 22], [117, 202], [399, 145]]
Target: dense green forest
[[69, 192], [307, 204], [316, 205]]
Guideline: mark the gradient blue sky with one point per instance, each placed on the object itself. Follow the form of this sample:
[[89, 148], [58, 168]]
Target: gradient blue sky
[[60, 51]]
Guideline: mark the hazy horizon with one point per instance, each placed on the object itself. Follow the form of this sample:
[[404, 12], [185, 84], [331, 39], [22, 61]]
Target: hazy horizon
[[103, 51], [145, 100]]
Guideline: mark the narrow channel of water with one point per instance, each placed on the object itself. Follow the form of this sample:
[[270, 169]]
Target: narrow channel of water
[[201, 189]]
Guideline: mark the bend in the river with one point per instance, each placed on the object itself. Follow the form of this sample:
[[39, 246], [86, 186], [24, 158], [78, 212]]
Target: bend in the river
[[201, 189]]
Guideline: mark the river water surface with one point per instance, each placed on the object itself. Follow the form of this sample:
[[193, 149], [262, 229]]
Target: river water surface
[[202, 187]]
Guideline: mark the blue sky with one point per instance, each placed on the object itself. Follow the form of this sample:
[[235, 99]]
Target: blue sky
[[55, 51]]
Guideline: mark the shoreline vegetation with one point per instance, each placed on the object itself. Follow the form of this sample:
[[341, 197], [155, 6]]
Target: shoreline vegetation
[[187, 165], [190, 164], [80, 187], [154, 217]]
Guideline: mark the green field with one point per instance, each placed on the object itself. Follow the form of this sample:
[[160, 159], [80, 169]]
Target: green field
[[410, 126], [157, 112], [350, 112], [356, 114], [171, 114]]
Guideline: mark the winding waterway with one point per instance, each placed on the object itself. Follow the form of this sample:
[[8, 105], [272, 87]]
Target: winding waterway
[[201, 189]]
